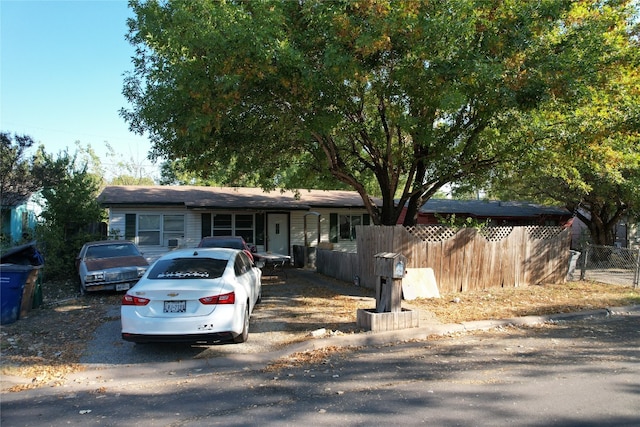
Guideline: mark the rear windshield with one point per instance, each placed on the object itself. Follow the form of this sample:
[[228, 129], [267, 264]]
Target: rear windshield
[[222, 243], [111, 251], [188, 268]]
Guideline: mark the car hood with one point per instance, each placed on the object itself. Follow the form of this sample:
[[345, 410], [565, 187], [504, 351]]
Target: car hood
[[124, 261]]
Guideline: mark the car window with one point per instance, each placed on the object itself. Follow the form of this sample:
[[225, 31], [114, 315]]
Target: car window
[[222, 243], [242, 264], [188, 268], [111, 251]]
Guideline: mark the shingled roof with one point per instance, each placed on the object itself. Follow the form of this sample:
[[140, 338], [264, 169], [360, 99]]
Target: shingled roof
[[196, 197], [490, 208]]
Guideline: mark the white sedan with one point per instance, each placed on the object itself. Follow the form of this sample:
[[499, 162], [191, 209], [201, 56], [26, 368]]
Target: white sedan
[[201, 295]]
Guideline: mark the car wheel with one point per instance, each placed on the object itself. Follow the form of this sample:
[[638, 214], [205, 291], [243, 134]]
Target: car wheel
[[245, 328]]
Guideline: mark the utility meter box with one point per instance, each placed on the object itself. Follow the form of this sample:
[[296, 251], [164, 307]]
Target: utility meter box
[[389, 264]]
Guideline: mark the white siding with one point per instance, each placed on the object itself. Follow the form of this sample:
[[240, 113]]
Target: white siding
[[193, 225], [297, 228]]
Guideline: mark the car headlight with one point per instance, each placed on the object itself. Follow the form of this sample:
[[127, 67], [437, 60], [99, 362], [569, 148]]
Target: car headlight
[[94, 276], [141, 271]]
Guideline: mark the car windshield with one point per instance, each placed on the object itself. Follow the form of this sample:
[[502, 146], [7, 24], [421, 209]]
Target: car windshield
[[188, 268], [222, 243], [111, 251]]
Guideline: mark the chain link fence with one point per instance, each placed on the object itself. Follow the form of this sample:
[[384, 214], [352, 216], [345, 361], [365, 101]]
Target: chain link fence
[[612, 265]]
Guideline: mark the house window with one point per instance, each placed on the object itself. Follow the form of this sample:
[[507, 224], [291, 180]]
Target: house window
[[222, 225], [348, 226], [244, 227], [343, 226], [172, 227], [248, 226], [153, 229], [148, 230]]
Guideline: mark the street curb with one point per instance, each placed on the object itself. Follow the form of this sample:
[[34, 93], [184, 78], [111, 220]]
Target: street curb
[[122, 377]]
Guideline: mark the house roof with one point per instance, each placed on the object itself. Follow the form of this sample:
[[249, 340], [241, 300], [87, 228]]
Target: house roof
[[196, 197], [490, 208]]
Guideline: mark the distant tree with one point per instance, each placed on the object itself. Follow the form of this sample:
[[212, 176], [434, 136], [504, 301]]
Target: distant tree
[[120, 170], [20, 176], [410, 94]]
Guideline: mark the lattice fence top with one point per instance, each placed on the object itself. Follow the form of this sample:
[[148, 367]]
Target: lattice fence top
[[544, 232], [432, 233], [495, 234], [439, 233]]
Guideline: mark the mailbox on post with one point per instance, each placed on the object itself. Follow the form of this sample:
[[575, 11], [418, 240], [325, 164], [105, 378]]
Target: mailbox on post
[[390, 269]]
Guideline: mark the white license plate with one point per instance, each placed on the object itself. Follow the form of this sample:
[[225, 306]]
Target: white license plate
[[175, 306], [123, 287]]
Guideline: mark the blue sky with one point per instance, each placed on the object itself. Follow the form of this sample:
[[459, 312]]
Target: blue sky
[[61, 75]]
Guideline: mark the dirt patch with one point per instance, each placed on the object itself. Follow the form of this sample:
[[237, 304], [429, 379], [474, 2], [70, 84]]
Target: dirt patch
[[49, 344]]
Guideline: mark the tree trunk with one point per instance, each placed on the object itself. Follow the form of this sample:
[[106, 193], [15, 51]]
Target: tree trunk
[[602, 222]]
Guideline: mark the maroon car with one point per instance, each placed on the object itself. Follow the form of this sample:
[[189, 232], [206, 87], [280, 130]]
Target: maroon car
[[232, 242], [110, 265]]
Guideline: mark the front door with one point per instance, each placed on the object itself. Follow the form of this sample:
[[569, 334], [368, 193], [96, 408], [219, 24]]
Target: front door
[[278, 233]]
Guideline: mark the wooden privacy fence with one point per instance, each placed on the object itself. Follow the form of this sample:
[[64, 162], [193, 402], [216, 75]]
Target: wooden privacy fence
[[462, 260]]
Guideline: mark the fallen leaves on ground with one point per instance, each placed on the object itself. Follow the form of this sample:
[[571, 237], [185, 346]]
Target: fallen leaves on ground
[[505, 303], [49, 344]]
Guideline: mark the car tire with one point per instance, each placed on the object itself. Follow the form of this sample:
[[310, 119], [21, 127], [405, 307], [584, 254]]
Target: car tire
[[245, 328]]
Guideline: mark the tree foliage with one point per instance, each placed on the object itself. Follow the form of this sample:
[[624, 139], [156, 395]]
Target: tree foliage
[[20, 175], [585, 152], [71, 215], [409, 95]]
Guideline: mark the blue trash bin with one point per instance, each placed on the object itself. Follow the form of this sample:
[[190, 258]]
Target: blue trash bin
[[13, 278]]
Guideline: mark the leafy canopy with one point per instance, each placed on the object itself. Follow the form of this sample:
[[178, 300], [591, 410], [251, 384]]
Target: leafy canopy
[[407, 95], [584, 152]]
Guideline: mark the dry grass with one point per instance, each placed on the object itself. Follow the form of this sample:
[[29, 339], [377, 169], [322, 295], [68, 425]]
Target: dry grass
[[504, 303]]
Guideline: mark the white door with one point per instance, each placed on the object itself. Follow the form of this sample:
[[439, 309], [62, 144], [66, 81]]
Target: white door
[[278, 233]]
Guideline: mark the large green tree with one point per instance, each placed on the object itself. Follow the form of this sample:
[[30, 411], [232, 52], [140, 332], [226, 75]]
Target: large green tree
[[410, 94]]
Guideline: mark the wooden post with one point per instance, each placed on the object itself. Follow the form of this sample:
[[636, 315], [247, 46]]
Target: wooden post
[[389, 268], [388, 295]]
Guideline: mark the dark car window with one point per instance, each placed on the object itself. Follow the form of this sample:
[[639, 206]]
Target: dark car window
[[222, 243], [242, 264], [188, 268], [111, 251]]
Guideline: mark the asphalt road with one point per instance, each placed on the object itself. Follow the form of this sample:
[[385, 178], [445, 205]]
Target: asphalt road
[[582, 372]]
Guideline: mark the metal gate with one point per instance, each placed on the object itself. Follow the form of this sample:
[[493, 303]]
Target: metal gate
[[612, 265]]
